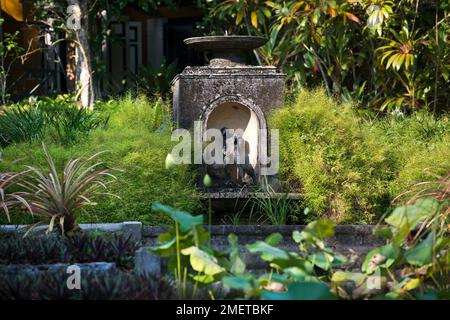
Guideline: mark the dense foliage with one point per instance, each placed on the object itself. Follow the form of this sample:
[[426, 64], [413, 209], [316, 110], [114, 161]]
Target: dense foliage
[[112, 286], [82, 248], [350, 167], [137, 138], [388, 55], [414, 263]]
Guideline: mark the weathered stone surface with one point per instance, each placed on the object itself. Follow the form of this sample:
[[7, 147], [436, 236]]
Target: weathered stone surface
[[198, 88], [229, 95], [147, 262], [226, 49], [129, 228], [246, 195], [132, 229]]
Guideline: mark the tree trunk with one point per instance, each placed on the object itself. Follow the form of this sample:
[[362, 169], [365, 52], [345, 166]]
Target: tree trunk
[[79, 24]]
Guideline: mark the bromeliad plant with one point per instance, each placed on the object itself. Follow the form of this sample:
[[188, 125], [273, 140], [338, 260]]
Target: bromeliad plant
[[60, 197]]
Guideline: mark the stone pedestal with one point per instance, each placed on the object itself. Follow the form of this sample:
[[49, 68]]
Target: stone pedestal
[[198, 90], [230, 96]]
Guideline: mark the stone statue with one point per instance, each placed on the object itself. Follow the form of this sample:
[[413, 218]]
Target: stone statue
[[241, 148]]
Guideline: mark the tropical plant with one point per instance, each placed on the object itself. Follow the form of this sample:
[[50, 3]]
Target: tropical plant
[[60, 198], [294, 275], [383, 54], [138, 135], [190, 259], [415, 262]]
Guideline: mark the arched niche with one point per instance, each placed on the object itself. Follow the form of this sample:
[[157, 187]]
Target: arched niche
[[234, 112]]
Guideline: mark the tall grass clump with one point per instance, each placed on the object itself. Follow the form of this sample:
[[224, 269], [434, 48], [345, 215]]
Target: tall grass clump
[[58, 118], [348, 168], [137, 137]]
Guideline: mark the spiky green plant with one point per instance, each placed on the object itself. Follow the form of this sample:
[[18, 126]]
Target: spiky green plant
[[61, 197]]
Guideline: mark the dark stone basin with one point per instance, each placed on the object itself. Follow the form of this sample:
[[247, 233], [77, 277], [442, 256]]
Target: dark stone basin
[[225, 49], [225, 43]]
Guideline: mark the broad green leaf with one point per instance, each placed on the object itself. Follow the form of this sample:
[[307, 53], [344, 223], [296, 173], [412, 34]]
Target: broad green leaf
[[411, 214], [302, 291], [203, 278], [239, 282], [321, 259], [338, 260], [202, 261], [342, 276], [165, 248], [297, 236], [293, 261], [268, 252], [184, 219], [233, 240], [237, 264], [316, 229], [301, 273], [274, 239], [421, 254]]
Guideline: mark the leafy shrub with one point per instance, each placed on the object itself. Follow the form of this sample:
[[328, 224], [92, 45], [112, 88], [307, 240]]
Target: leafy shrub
[[413, 264], [137, 137], [66, 121], [387, 55], [349, 168]]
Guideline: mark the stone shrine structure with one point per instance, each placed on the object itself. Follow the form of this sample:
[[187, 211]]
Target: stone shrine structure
[[229, 94]]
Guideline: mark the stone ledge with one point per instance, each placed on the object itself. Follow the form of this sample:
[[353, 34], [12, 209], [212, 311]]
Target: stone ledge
[[132, 229], [235, 195]]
